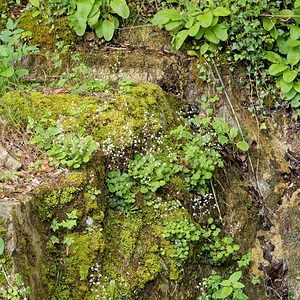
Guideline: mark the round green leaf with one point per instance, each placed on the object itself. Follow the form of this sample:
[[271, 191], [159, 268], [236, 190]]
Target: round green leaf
[[108, 29], [221, 11], [268, 23], [211, 37], [204, 48], [272, 57], [206, 19], [295, 102], [284, 86], [243, 146], [166, 15], [194, 29], [35, 3], [120, 7], [220, 31], [290, 95], [289, 76], [233, 132], [297, 86], [295, 32]]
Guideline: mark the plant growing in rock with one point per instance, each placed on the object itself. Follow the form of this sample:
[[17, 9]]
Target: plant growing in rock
[[181, 233], [99, 15], [199, 21]]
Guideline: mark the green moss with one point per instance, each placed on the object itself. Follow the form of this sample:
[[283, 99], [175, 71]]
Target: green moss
[[44, 34], [120, 118]]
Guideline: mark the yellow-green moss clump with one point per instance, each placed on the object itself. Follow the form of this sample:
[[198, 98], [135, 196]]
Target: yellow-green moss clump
[[44, 34], [118, 119]]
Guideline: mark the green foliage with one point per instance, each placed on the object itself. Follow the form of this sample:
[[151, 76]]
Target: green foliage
[[216, 250], [1, 246], [150, 172], [99, 15], [199, 21], [93, 192], [181, 233], [218, 288], [73, 150], [120, 185], [69, 223], [11, 52], [198, 156]]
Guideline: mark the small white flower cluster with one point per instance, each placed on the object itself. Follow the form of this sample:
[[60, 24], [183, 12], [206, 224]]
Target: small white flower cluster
[[98, 283]]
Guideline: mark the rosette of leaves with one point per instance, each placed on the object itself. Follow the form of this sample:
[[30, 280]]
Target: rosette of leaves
[[285, 64], [100, 15], [199, 23]]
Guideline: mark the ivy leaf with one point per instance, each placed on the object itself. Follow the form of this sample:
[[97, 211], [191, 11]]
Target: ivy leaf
[[276, 69], [289, 76], [165, 15], [220, 31], [268, 23], [221, 11], [211, 37], [108, 29], [120, 7], [194, 29], [179, 39], [243, 146], [206, 19], [1, 246]]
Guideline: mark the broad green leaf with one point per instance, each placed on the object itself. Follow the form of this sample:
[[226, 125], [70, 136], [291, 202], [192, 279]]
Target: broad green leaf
[[8, 72], [3, 51], [238, 285], [293, 56], [172, 25], [292, 43], [166, 15], [233, 132], [94, 14], [276, 69], [179, 39], [206, 19], [35, 3], [295, 32], [274, 33], [225, 283], [204, 48], [222, 139], [221, 11], [2, 245], [84, 8], [297, 3], [284, 86], [290, 95], [99, 30], [225, 292], [189, 23], [194, 29], [200, 33], [108, 29], [297, 12], [281, 43], [295, 102], [273, 57], [297, 86], [239, 295], [220, 31], [211, 37], [243, 146], [268, 23], [236, 275], [120, 7], [289, 76]]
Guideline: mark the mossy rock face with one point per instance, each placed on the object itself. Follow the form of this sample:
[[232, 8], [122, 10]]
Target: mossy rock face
[[45, 35], [120, 119]]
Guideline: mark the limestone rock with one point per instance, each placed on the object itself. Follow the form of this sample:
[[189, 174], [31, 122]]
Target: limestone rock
[[7, 161]]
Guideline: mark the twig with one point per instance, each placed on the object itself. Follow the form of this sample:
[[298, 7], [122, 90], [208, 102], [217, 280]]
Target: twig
[[137, 26], [212, 187]]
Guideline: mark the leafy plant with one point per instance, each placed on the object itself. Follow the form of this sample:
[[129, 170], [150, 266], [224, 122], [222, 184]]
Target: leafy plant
[[93, 192], [218, 288], [181, 233], [99, 15], [150, 172], [73, 150], [216, 250], [199, 21], [120, 185]]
